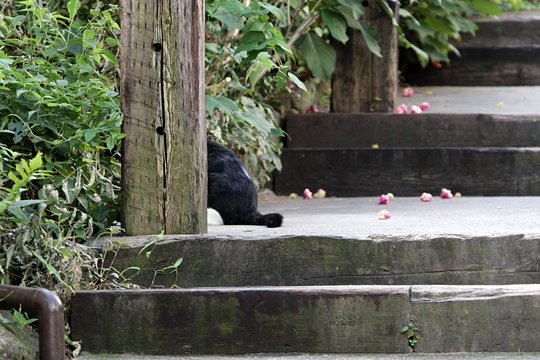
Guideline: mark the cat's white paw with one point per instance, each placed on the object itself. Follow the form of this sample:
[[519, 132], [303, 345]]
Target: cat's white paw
[[213, 217]]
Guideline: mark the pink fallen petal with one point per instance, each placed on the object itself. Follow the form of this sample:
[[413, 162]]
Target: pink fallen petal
[[424, 106], [446, 194], [384, 199], [383, 215], [408, 92], [400, 111], [426, 197], [312, 109], [415, 109], [307, 194]]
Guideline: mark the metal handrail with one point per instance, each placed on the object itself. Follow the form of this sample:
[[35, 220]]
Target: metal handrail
[[47, 307]]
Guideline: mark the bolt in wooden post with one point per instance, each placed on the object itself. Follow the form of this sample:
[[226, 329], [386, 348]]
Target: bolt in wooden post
[[164, 153], [362, 81]]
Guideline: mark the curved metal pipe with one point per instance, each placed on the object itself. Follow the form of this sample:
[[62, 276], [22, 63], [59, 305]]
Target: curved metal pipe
[[48, 308]]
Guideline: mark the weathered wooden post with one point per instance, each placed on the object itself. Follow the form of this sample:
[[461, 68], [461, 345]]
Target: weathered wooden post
[[362, 81], [164, 152]]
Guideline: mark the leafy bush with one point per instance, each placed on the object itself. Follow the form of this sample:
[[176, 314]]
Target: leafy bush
[[251, 60], [430, 26], [57, 83]]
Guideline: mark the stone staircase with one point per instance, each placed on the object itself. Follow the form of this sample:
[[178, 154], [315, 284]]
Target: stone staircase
[[349, 289], [505, 51], [371, 154], [482, 140], [457, 275]]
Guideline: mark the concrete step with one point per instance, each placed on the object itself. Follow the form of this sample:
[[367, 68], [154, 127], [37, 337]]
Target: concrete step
[[498, 101], [363, 130], [340, 241], [490, 171], [502, 53], [411, 356], [323, 319], [482, 66]]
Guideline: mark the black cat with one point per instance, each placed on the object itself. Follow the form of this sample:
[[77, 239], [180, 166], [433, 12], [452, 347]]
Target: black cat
[[231, 191]]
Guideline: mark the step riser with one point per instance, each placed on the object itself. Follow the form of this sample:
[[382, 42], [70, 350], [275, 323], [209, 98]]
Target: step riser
[[305, 260], [483, 66], [428, 130], [344, 320], [515, 33], [409, 172]]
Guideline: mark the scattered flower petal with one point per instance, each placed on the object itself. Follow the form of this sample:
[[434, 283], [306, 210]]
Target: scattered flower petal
[[500, 105], [424, 106], [375, 146], [402, 109], [383, 215], [391, 196], [384, 199], [426, 197], [307, 194], [415, 109], [457, 195], [408, 92], [293, 196], [446, 194], [320, 194], [312, 109]]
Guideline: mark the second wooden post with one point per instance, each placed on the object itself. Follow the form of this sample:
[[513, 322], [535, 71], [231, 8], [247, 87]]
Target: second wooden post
[[362, 81]]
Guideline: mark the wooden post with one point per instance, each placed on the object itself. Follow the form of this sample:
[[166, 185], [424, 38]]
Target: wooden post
[[362, 81], [164, 176]]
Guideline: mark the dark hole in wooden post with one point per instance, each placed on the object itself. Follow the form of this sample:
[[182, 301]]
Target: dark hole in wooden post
[[160, 130], [156, 47]]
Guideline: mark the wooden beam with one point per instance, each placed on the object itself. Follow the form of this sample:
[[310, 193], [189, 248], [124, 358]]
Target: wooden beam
[[362, 81], [164, 153]]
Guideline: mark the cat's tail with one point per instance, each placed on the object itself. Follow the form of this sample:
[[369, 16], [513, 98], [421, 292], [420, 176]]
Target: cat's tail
[[269, 220]]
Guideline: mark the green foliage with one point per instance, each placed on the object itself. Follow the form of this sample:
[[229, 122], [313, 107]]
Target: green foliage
[[253, 51], [412, 333], [57, 81], [430, 27]]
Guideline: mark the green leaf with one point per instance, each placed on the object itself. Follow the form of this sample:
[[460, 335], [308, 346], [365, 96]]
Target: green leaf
[[73, 6], [20, 92], [109, 56], [254, 120], [51, 269], [23, 203], [296, 81], [231, 13], [319, 56], [221, 103], [337, 25], [36, 163], [355, 7], [277, 12], [89, 134], [370, 37], [404, 329], [487, 7]]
